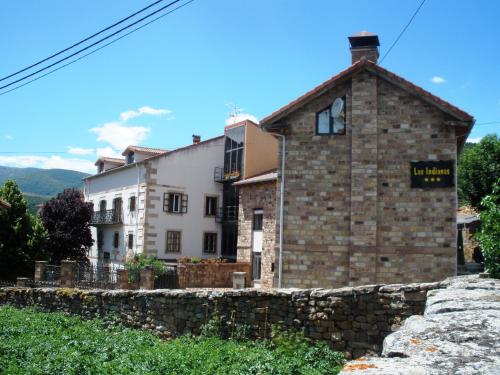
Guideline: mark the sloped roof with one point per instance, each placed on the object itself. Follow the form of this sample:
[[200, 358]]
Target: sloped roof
[[379, 71], [268, 176], [144, 150], [4, 205], [110, 160]]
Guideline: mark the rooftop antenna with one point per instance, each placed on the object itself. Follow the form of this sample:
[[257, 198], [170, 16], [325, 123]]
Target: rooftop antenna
[[234, 111]]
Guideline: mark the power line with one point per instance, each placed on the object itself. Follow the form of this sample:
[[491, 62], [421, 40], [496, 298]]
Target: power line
[[97, 49], [81, 41], [402, 31], [89, 46]]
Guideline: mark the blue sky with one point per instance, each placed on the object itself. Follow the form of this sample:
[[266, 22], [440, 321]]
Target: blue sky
[[181, 74]]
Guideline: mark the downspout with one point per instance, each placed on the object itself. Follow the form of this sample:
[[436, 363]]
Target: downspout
[[282, 200], [137, 208]]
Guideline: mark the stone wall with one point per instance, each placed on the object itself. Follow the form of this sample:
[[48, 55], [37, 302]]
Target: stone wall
[[458, 334], [351, 320], [259, 196], [211, 275]]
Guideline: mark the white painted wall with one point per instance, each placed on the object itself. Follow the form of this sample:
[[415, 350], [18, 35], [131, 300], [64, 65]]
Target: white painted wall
[[124, 183], [189, 171]]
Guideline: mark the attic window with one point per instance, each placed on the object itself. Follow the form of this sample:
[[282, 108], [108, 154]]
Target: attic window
[[331, 120], [130, 157], [100, 167]]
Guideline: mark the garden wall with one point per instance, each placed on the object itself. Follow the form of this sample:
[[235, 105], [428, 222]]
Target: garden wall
[[352, 320], [211, 275]]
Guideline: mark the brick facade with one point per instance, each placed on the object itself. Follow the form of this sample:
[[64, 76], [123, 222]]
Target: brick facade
[[351, 217], [259, 196]]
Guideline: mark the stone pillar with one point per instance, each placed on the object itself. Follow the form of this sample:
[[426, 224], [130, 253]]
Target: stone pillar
[[22, 282], [68, 273], [239, 280], [40, 270], [181, 274], [364, 180], [122, 276], [147, 278]]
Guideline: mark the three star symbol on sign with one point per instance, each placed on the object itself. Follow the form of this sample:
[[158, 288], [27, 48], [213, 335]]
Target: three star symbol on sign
[[432, 179]]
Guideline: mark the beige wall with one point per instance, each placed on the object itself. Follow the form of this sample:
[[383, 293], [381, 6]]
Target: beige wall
[[261, 151]]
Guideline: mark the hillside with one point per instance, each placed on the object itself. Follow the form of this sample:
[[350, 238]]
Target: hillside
[[39, 185], [45, 182]]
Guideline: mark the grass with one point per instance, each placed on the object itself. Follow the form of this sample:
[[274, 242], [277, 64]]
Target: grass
[[33, 342]]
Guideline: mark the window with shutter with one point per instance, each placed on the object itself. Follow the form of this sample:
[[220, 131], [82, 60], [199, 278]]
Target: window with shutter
[[130, 241], [131, 204], [116, 240]]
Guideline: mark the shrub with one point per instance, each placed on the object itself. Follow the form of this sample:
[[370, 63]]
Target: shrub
[[51, 343], [141, 261], [489, 237]]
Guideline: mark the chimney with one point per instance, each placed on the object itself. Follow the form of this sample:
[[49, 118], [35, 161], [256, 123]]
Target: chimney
[[364, 46], [196, 139]]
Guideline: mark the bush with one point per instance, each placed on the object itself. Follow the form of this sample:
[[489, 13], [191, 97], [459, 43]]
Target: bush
[[489, 237], [51, 343], [141, 261]]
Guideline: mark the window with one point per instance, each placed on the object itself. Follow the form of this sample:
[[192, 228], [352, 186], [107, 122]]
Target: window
[[210, 243], [102, 205], [258, 216], [210, 206], [116, 239], [175, 203], [327, 124], [173, 242], [100, 239], [130, 241], [106, 256], [256, 265], [130, 157], [131, 204]]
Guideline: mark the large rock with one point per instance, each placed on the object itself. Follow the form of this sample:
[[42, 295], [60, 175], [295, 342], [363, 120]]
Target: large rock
[[458, 334]]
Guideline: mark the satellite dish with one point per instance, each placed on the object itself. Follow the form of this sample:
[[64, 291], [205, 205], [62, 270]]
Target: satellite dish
[[337, 107]]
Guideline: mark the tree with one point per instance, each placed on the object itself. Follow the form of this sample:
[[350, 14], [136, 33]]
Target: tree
[[22, 236], [478, 171], [67, 220], [489, 237]]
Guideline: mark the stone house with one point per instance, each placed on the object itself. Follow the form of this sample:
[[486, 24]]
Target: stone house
[[369, 182]]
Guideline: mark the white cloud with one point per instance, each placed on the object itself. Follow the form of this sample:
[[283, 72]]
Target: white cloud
[[109, 152], [48, 162], [80, 150], [127, 115], [9, 137], [241, 117], [120, 136], [474, 140], [438, 80]]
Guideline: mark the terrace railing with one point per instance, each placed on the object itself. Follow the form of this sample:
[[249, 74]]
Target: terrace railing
[[106, 217]]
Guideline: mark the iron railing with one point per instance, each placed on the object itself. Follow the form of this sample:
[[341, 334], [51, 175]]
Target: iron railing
[[51, 277], [168, 280], [106, 217], [222, 174], [91, 276], [226, 214], [5, 283]]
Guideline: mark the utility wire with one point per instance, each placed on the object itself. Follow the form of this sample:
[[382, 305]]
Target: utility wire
[[81, 41], [89, 46], [97, 49], [402, 32]]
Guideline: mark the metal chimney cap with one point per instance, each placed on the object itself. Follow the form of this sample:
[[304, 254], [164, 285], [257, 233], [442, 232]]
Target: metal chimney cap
[[364, 39]]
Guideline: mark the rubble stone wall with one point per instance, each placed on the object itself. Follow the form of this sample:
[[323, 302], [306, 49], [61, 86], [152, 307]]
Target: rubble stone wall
[[353, 320]]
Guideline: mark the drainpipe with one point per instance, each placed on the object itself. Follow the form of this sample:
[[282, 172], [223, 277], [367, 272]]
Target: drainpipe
[[136, 209], [282, 200]]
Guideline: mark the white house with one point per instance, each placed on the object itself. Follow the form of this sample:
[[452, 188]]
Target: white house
[[158, 202]]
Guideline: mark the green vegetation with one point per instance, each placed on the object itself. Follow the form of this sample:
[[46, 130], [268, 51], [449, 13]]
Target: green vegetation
[[489, 237], [478, 170], [141, 261], [33, 200], [45, 182], [22, 235], [51, 343]]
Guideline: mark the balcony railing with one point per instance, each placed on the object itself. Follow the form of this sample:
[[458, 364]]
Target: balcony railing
[[106, 217], [226, 214], [224, 175]]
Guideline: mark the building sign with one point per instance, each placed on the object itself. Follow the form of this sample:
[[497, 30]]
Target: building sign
[[432, 174]]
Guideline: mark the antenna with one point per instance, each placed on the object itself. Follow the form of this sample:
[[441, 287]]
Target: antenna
[[234, 111]]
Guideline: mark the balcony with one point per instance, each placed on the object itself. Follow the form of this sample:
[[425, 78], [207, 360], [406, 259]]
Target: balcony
[[223, 175], [106, 217], [227, 214]]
